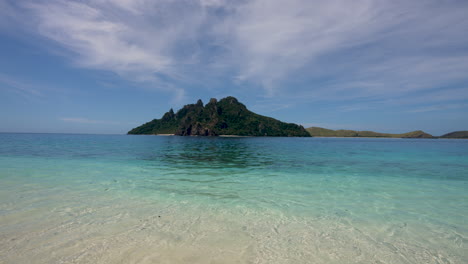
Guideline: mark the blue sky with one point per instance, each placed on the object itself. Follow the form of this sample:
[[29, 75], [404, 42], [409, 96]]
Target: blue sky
[[106, 66]]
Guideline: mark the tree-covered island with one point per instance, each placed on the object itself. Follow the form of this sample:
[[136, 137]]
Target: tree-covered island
[[224, 117]]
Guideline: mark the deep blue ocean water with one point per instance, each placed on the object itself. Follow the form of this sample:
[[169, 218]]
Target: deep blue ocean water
[[165, 199]]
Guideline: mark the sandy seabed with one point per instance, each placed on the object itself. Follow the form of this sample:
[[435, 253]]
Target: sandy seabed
[[72, 226]]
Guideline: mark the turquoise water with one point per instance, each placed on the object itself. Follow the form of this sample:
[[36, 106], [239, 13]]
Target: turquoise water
[[166, 199]]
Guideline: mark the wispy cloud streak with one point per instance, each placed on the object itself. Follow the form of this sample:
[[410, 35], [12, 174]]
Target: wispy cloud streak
[[20, 87], [331, 50], [82, 120]]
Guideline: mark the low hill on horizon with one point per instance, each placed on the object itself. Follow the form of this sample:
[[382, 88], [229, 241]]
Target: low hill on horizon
[[323, 132], [226, 117], [456, 134]]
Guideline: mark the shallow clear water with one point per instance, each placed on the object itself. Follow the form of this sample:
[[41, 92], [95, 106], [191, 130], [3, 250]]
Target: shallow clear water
[[154, 199]]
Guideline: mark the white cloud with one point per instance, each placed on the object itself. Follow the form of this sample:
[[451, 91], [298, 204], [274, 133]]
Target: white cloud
[[139, 40], [347, 50], [399, 46], [99, 40], [274, 38]]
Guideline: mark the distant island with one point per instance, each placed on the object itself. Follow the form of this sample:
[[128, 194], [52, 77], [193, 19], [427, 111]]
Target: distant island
[[323, 132], [456, 134], [229, 117], [224, 117]]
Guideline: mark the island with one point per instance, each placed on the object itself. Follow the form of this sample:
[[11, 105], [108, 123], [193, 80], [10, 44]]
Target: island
[[323, 132], [456, 134], [229, 117], [226, 117]]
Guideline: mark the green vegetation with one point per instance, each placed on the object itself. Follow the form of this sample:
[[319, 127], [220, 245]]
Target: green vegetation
[[226, 117], [323, 132], [456, 134], [230, 117], [416, 134]]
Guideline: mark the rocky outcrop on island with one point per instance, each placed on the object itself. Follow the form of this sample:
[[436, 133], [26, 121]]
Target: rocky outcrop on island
[[224, 117], [323, 132]]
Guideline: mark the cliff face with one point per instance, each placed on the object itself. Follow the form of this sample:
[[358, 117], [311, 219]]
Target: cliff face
[[226, 117]]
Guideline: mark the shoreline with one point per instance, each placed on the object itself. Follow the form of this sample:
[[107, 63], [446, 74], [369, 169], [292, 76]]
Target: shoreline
[[236, 136], [233, 136]]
